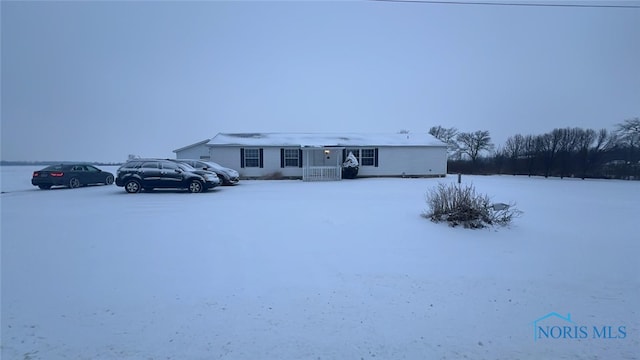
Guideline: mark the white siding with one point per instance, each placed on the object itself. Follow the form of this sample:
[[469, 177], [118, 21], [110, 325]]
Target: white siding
[[392, 161], [408, 161], [194, 152], [229, 156], [226, 156]]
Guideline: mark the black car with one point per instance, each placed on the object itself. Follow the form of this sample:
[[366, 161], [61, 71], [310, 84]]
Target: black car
[[149, 174], [228, 176], [71, 175]]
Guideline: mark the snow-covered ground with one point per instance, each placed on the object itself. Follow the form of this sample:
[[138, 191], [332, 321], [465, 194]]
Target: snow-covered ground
[[335, 270]]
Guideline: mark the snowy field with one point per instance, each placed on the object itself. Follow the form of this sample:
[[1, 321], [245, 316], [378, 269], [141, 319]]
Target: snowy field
[[337, 270]]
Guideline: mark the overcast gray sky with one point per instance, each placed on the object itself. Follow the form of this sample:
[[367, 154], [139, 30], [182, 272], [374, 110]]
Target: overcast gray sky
[[96, 81]]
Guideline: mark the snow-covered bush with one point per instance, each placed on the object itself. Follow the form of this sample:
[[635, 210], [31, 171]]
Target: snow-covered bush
[[462, 205], [350, 167]]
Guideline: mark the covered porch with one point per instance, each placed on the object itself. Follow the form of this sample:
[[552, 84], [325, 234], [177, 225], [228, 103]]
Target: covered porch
[[322, 163]]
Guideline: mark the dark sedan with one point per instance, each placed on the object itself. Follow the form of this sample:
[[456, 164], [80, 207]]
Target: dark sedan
[[70, 175]]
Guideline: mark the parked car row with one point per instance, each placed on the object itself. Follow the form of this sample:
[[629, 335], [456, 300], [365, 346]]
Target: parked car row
[[149, 174], [141, 174]]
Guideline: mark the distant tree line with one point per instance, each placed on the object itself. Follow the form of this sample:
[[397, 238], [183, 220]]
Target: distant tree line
[[562, 152]]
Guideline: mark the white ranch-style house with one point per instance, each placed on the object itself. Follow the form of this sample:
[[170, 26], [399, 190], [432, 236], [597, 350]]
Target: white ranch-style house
[[313, 156]]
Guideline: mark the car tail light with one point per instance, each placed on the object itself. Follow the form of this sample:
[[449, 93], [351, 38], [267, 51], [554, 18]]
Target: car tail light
[[57, 174], [36, 174]]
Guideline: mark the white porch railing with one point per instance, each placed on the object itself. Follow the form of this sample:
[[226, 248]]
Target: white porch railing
[[321, 173]]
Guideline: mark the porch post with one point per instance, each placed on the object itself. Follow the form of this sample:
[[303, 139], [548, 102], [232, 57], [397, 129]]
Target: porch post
[[339, 166]]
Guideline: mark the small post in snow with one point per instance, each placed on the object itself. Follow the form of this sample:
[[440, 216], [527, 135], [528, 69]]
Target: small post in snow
[[459, 178]]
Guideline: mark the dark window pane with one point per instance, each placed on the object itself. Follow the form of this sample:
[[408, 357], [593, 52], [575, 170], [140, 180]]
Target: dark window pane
[[251, 163], [150, 165], [291, 157], [251, 158], [169, 166], [368, 157]]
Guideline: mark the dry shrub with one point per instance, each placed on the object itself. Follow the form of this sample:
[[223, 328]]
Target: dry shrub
[[462, 205]]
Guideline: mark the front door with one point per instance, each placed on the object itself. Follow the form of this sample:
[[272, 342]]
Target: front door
[[150, 174], [94, 175]]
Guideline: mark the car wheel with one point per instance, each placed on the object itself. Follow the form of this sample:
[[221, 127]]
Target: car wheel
[[108, 180], [132, 186], [44, 187], [74, 183], [195, 186]]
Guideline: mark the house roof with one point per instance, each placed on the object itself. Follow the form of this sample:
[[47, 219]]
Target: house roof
[[324, 139], [192, 145]]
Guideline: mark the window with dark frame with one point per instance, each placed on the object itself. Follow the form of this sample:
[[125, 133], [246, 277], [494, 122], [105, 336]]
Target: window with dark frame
[[368, 157], [251, 157], [291, 157]]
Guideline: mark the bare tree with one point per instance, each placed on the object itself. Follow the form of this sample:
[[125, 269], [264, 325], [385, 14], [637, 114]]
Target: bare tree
[[472, 144], [590, 151], [448, 136], [629, 137], [514, 149], [629, 132], [500, 157], [531, 152], [549, 144], [604, 141], [567, 144], [584, 144]]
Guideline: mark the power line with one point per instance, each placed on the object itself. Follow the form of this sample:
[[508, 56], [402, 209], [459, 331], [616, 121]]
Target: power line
[[456, 2]]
